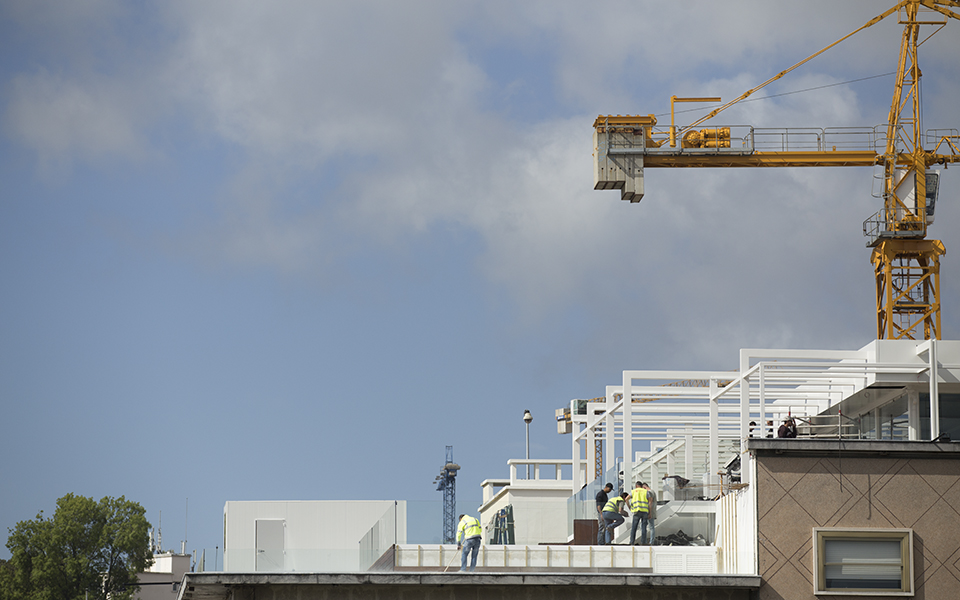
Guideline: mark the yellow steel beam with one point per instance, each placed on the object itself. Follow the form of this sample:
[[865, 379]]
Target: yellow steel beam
[[623, 121], [938, 4], [837, 158]]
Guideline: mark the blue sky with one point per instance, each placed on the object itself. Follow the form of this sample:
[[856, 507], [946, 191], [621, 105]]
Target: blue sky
[[292, 250]]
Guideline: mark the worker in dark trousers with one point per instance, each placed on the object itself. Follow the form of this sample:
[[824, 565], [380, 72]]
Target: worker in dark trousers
[[614, 513], [651, 514], [468, 539], [639, 506], [601, 524]]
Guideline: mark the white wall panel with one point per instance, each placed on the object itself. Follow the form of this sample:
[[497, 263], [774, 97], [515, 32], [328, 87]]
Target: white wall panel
[[320, 536]]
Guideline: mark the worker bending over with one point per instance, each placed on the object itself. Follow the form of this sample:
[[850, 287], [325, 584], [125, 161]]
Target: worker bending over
[[468, 539], [614, 513]]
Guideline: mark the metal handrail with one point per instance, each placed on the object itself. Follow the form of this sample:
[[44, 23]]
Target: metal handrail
[[882, 225], [746, 138]]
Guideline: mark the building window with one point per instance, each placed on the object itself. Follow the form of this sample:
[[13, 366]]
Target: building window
[[863, 561]]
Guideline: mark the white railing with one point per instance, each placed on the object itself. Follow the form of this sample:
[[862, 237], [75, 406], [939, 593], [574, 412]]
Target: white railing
[[551, 476]]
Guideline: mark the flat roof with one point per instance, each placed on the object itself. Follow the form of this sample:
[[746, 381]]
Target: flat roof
[[219, 586], [824, 446]]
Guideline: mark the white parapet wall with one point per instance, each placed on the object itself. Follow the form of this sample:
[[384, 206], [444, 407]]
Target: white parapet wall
[[567, 559]]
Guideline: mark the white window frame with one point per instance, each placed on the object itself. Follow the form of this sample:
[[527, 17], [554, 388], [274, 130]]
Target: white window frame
[[823, 534]]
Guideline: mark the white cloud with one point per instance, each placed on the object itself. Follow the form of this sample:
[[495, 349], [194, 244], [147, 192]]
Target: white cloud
[[400, 101], [62, 119], [307, 80], [609, 53], [730, 255]]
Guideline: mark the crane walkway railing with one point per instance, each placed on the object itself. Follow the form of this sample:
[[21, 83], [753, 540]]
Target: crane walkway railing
[[746, 139], [810, 139], [943, 139]]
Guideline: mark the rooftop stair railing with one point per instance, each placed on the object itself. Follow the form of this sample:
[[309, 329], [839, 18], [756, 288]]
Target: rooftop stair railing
[[829, 426]]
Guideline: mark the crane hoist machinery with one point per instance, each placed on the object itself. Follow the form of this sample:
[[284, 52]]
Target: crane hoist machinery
[[906, 264]]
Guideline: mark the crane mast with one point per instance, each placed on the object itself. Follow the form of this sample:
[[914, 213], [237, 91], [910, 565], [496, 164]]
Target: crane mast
[[906, 264], [447, 483]]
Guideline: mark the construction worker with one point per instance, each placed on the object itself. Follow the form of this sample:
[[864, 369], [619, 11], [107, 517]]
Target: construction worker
[[601, 524], [639, 506], [651, 514], [614, 513], [468, 539], [788, 429]]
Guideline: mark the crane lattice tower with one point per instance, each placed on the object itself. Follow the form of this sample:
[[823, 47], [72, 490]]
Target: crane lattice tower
[[447, 483]]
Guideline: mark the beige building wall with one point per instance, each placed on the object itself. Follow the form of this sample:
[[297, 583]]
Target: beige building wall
[[802, 485]]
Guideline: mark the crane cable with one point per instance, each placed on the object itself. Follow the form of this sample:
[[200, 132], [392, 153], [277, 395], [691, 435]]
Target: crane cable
[[819, 87], [779, 75], [936, 5]]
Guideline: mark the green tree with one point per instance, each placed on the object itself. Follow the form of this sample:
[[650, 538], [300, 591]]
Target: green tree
[[88, 549], [6, 577]]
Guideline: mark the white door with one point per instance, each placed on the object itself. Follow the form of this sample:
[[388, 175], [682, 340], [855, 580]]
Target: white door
[[270, 544]]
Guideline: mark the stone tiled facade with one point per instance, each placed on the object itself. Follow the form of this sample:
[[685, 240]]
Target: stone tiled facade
[[801, 485]]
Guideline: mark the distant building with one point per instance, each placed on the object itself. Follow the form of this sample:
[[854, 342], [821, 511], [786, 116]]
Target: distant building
[[162, 580]]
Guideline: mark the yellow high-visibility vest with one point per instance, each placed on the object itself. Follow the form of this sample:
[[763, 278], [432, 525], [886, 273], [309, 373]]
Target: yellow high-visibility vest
[[469, 527], [638, 500], [612, 504]]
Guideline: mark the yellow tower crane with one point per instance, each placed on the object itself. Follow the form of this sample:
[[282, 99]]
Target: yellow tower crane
[[906, 264]]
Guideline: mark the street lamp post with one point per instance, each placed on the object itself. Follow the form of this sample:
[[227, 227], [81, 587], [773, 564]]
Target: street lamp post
[[527, 417]]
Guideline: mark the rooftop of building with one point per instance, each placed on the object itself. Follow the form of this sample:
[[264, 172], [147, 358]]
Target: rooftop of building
[[240, 586], [853, 447]]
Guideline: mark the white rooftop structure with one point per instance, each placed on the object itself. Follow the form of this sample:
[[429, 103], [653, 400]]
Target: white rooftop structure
[[320, 536], [692, 427], [686, 433], [874, 392]]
